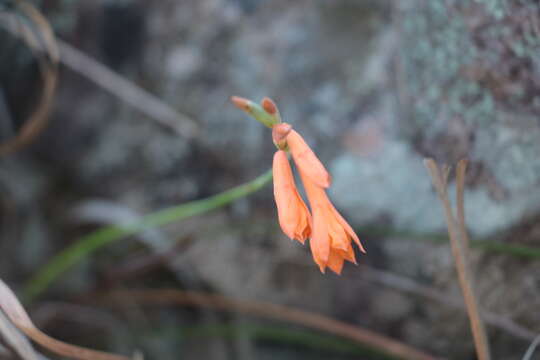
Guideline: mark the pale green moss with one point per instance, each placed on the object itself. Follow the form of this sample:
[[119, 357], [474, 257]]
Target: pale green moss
[[461, 57]]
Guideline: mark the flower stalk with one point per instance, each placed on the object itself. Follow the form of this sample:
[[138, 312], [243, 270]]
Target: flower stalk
[[256, 111]]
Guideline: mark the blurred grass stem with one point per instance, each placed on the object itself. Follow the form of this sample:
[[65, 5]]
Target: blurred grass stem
[[94, 241]]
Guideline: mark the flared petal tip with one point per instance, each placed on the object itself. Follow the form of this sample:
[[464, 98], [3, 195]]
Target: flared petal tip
[[241, 103], [295, 237], [361, 248], [301, 240]]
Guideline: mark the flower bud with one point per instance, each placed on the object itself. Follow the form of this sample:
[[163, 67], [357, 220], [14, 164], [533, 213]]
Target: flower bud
[[255, 110], [279, 135], [271, 108]]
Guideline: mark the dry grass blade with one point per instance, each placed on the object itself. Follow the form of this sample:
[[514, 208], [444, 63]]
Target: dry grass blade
[[18, 316], [457, 242], [48, 69], [125, 90], [10, 336], [272, 311]]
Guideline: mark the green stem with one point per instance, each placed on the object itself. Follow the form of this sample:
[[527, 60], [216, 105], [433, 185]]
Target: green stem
[[106, 235]]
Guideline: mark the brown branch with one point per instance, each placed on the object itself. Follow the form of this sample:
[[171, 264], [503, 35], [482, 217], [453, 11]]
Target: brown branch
[[457, 242], [272, 311]]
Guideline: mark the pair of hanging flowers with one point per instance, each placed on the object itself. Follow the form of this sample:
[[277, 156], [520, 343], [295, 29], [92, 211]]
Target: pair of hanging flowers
[[331, 237]]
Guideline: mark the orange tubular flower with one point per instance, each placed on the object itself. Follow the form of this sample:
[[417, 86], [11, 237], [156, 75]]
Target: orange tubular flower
[[293, 214], [331, 238], [307, 161]]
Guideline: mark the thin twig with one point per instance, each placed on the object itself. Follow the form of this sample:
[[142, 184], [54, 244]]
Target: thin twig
[[272, 311], [461, 169], [456, 241]]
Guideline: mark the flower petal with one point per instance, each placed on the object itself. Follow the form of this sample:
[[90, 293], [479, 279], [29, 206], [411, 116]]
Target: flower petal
[[293, 214], [319, 243], [339, 237], [348, 228], [348, 254], [307, 161], [335, 262]]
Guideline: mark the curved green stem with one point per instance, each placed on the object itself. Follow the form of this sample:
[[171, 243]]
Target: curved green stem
[[94, 241]]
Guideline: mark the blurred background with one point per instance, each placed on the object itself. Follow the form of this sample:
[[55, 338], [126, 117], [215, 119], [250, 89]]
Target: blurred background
[[141, 120]]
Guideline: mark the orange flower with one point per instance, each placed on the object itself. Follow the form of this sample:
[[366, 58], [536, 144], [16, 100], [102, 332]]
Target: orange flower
[[307, 161], [331, 237], [293, 214]]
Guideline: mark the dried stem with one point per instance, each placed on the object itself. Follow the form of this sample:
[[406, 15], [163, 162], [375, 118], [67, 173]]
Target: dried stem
[[461, 169], [13, 309], [14, 340], [48, 70], [272, 311], [458, 235]]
